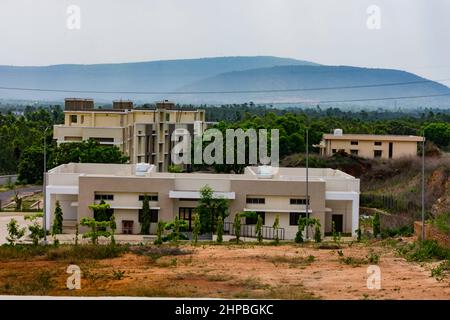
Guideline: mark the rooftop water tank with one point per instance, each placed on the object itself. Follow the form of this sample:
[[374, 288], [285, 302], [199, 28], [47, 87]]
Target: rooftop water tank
[[265, 172], [338, 132]]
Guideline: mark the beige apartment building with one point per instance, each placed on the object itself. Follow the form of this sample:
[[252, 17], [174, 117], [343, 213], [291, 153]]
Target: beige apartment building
[[369, 145], [271, 192], [142, 134]]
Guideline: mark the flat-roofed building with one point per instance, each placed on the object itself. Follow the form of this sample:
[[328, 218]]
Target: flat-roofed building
[[271, 192], [144, 135], [369, 145]]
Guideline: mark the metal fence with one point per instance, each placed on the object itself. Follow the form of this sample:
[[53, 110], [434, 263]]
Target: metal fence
[[249, 231]]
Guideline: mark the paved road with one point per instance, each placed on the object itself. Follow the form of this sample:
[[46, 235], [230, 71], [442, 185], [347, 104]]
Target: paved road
[[6, 195]]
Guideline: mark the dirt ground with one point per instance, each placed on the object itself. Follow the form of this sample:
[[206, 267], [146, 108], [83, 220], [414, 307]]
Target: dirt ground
[[230, 271]]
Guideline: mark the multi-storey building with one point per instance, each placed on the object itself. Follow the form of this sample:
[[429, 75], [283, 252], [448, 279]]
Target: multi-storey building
[[142, 134], [369, 145], [333, 196]]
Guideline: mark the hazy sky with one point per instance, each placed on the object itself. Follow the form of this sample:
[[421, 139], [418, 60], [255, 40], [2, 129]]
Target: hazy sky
[[414, 34]]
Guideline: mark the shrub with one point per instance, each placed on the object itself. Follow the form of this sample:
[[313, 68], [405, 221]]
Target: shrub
[[424, 250], [317, 234], [196, 229], [276, 225], [15, 233], [404, 231], [159, 232], [220, 229], [376, 227], [442, 222], [57, 220], [237, 226], [146, 216], [259, 224], [36, 230], [441, 270], [97, 229], [373, 257]]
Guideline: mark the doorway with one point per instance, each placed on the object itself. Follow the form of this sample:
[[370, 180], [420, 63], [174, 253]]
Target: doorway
[[337, 220]]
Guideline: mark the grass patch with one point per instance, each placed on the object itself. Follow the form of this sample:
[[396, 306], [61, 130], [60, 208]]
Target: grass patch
[[38, 284], [423, 251], [156, 252], [252, 283], [86, 252], [329, 246], [23, 252], [292, 261]]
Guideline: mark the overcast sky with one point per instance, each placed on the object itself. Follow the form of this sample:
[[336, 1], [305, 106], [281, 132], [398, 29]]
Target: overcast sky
[[414, 34]]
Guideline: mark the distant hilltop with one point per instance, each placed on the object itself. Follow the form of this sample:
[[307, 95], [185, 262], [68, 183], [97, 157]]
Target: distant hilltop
[[225, 80]]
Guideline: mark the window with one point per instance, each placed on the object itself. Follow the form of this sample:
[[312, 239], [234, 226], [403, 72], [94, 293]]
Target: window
[[82, 119], [377, 143], [256, 200], [151, 197], [153, 215], [298, 201], [334, 150], [167, 117], [104, 197], [354, 152], [294, 216], [354, 143], [377, 153], [254, 220], [73, 118]]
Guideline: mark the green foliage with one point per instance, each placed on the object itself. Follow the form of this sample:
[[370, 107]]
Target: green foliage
[[85, 252], [259, 224], [442, 222], [176, 226], [441, 270], [98, 229], [220, 229], [36, 231], [209, 208], [424, 250], [76, 233], [237, 226], [317, 233], [15, 233], [376, 225], [276, 225], [146, 216], [359, 234], [439, 133], [102, 211], [175, 168], [113, 226], [404, 231], [160, 232], [118, 274], [373, 257], [196, 228], [336, 235], [57, 220]]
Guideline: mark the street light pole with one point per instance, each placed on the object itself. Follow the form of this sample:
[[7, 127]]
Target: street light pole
[[44, 182]]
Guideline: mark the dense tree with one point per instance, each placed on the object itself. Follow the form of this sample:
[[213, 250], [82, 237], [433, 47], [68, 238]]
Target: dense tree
[[57, 220], [146, 216], [439, 133], [210, 208]]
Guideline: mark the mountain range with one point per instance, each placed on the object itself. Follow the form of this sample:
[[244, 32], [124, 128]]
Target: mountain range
[[225, 80]]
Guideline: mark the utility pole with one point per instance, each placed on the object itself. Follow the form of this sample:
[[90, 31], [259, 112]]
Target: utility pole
[[307, 179], [44, 182], [423, 184]]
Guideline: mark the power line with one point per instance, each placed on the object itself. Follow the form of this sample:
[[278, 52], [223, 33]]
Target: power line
[[360, 100], [222, 92]]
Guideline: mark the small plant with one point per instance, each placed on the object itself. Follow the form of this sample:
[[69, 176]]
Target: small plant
[[441, 270], [118, 274], [358, 234], [220, 229], [373, 257], [237, 226], [336, 235], [340, 253], [76, 233], [317, 233], [15, 233], [159, 232], [36, 230], [113, 226], [301, 227], [57, 220], [276, 225], [146, 216], [376, 225], [98, 229], [259, 224], [196, 229]]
